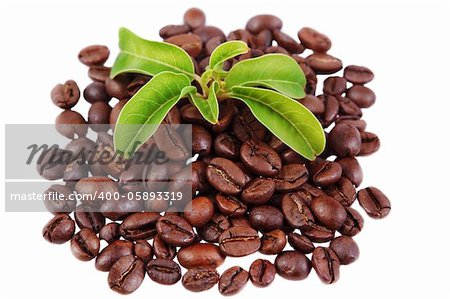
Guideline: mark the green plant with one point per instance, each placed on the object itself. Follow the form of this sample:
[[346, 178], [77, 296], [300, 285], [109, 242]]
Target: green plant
[[268, 85]]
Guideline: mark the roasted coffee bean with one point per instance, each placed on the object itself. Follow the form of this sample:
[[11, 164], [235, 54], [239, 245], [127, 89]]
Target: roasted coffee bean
[[96, 188], [170, 142], [232, 281], [191, 43], [314, 40], [98, 116], [358, 74], [81, 146], [84, 217], [212, 230], [313, 103], [200, 254], [266, 218], [171, 30], [317, 233], [59, 229], [307, 193], [110, 232], [239, 34], [70, 124], [370, 143], [230, 206], [351, 170], [200, 279], [331, 110], [295, 211], [363, 96], [199, 170], [143, 250], [276, 144], [173, 117], [164, 271], [154, 176], [136, 84], [292, 265], [353, 224], [323, 63], [352, 120], [212, 44], [328, 212], [75, 171], [346, 249], [94, 55], [241, 221], [59, 199], [85, 245], [66, 95], [334, 85], [227, 146], [194, 18], [324, 173], [246, 126], [120, 208], [260, 158], [262, 273], [258, 191], [348, 107], [239, 241], [273, 242], [208, 32], [227, 110], [96, 92], [342, 191], [291, 177], [345, 140], [326, 263], [139, 226], [117, 87], [163, 250], [131, 180], [175, 230], [225, 176], [99, 73], [112, 253], [278, 49], [374, 202], [126, 275], [263, 22], [199, 211], [261, 41], [289, 156], [300, 243], [287, 42], [201, 141]]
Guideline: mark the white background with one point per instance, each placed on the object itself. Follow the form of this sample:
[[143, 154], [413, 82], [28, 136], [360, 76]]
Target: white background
[[404, 43]]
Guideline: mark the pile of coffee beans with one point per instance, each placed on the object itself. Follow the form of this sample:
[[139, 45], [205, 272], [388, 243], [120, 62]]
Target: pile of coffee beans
[[251, 192]]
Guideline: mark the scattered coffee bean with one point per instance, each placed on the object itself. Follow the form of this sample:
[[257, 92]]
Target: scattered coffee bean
[[239, 241], [374, 202], [314, 40], [112, 253], [293, 265], [200, 279], [66, 95], [164, 271], [233, 280], [369, 144], [363, 96], [96, 92], [358, 74], [59, 230], [346, 249], [94, 55], [126, 275], [326, 263], [85, 245], [200, 254], [262, 272]]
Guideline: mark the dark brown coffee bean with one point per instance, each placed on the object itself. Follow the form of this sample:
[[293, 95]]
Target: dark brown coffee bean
[[345, 140], [208, 32], [225, 176], [266, 218], [260, 158], [363, 96], [273, 242], [314, 40], [295, 211], [348, 107], [62, 202], [110, 232], [94, 55], [99, 73], [96, 92], [313, 104], [326, 263], [59, 229], [342, 191], [246, 126], [136, 84], [212, 230], [191, 43], [112, 253], [374, 202], [171, 143], [262, 273], [66, 95], [126, 275], [84, 217], [353, 224], [139, 226], [288, 156], [239, 241], [317, 233], [212, 44], [352, 120], [323, 63], [75, 171], [230, 206], [291, 177], [328, 212], [232, 281], [278, 49], [98, 116], [85, 245], [70, 124], [300, 243], [259, 23], [292, 265], [239, 34], [276, 144], [241, 221], [171, 30], [258, 191], [351, 170], [194, 18], [334, 85], [358, 74], [261, 41], [346, 249], [331, 110], [165, 272], [200, 279], [199, 211], [227, 146], [175, 230], [201, 141], [370, 143], [163, 250], [121, 208], [96, 188], [324, 173], [117, 87], [200, 254], [307, 193], [287, 42]]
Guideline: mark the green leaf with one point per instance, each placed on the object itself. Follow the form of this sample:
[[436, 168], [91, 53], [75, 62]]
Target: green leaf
[[142, 56], [286, 118], [209, 108], [274, 71], [142, 114], [226, 51]]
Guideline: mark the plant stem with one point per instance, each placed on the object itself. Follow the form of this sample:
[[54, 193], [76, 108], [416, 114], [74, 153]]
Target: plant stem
[[197, 78]]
